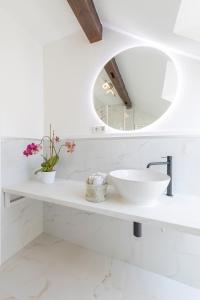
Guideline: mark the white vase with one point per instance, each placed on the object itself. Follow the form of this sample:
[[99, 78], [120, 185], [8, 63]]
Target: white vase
[[48, 177]]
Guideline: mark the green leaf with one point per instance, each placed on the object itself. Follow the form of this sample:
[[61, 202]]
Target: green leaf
[[49, 164], [37, 171]]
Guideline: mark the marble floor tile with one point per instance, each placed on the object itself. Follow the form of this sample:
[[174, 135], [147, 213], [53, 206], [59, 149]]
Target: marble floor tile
[[52, 269]]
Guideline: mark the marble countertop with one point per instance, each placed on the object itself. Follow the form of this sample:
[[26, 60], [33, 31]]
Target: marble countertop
[[181, 212]]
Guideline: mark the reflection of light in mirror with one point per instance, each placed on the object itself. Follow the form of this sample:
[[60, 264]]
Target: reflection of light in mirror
[[188, 21], [125, 114], [170, 82], [108, 87]]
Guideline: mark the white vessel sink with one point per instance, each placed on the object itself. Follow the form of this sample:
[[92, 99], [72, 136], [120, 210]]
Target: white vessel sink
[[141, 187]]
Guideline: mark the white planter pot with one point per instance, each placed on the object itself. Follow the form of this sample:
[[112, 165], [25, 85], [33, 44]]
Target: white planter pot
[[48, 177]]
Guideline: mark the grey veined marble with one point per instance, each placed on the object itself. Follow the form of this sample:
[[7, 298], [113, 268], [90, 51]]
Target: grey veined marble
[[50, 268], [166, 252]]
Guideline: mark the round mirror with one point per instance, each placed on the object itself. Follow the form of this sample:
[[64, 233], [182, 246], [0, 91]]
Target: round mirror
[[135, 88]]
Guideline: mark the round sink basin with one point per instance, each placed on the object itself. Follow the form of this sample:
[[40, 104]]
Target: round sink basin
[[141, 187]]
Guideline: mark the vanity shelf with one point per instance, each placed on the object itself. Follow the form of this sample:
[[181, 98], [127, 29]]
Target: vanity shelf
[[181, 212]]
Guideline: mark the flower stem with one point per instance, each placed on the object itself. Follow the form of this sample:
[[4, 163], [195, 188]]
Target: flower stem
[[51, 143], [50, 146]]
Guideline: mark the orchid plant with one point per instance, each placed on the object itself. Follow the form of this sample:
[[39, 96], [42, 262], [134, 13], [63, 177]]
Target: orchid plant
[[50, 157]]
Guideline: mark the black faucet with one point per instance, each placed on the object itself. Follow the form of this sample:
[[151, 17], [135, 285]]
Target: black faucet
[[169, 171]]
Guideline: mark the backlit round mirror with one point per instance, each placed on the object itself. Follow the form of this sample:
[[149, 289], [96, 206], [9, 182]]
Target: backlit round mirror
[[135, 88]]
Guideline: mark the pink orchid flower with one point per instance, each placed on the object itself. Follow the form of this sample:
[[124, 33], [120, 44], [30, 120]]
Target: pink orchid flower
[[70, 146], [32, 149], [57, 139]]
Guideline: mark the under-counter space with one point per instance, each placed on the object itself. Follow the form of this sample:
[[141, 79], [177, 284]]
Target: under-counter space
[[181, 212]]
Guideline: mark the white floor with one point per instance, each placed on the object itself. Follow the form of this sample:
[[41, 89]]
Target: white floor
[[53, 269]]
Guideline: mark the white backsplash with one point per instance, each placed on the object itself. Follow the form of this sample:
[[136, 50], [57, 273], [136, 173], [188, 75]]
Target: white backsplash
[[166, 252], [106, 155]]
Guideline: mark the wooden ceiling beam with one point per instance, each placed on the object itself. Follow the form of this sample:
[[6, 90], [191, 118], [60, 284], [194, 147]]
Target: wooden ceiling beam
[[88, 18], [117, 81]]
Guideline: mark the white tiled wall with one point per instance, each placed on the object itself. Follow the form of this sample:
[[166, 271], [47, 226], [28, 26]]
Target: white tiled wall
[[22, 222], [107, 155], [166, 252]]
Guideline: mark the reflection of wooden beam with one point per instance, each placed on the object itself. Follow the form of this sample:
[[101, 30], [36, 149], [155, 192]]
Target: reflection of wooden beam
[[117, 81], [88, 18]]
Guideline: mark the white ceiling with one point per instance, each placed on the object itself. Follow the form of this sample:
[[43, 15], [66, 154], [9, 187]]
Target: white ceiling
[[188, 20], [46, 20], [151, 19], [49, 20], [155, 18]]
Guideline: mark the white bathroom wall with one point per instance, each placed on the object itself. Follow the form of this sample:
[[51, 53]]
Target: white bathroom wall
[[21, 115], [71, 66], [21, 77], [21, 222], [167, 252]]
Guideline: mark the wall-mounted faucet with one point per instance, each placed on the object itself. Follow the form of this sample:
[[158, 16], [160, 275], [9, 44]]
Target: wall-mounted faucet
[[168, 163]]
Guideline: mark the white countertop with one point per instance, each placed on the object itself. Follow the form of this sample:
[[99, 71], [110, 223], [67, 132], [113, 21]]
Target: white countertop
[[181, 212]]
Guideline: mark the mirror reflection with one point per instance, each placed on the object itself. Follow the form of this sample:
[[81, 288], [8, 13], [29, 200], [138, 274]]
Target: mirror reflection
[[135, 88]]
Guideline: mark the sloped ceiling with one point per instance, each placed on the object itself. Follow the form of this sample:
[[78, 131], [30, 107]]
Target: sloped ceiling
[[154, 20], [46, 20], [49, 20], [188, 20]]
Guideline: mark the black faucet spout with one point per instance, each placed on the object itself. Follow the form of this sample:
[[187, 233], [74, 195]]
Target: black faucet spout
[[168, 163], [157, 163]]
